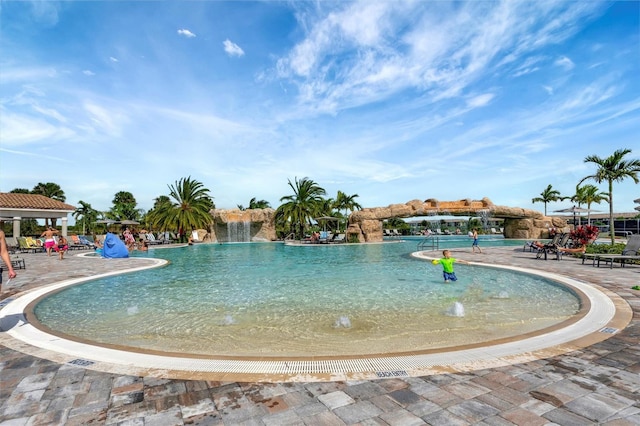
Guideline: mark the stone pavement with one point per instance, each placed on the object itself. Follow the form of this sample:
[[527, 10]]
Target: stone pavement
[[598, 385]]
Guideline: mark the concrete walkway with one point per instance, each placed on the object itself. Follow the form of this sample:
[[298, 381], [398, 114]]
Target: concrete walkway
[[599, 385]]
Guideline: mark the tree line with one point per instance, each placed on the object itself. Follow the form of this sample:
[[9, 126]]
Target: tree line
[[187, 205], [614, 168]]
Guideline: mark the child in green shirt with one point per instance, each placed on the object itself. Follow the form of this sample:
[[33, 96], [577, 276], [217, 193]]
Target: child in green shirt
[[447, 266]]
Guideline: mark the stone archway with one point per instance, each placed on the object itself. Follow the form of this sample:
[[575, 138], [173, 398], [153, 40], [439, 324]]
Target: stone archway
[[366, 225]]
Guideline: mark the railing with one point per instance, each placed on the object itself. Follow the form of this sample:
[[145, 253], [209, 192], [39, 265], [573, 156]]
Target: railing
[[291, 236], [431, 242]]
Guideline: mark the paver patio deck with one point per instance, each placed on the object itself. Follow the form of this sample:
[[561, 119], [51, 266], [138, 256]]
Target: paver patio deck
[[599, 384]]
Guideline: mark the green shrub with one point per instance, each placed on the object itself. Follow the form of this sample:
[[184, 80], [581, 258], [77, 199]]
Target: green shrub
[[606, 248]]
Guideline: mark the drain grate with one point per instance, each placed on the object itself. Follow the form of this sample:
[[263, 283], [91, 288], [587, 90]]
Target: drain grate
[[81, 362], [609, 330], [396, 373]]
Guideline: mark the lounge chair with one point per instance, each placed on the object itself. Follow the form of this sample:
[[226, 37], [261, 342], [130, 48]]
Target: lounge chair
[[151, 239], [534, 245], [629, 252], [17, 262], [24, 247], [338, 238], [86, 241], [559, 240], [165, 237], [12, 244], [76, 244]]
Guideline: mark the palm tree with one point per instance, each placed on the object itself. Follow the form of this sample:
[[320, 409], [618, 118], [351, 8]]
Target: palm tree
[[187, 208], [304, 204], [547, 196], [255, 204], [613, 169], [346, 202], [51, 190], [85, 215], [258, 204], [589, 194]]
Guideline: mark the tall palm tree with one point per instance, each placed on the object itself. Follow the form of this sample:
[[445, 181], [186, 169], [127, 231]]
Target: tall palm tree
[[86, 215], [304, 204], [613, 169], [188, 207], [51, 190], [547, 196], [346, 203], [589, 194]]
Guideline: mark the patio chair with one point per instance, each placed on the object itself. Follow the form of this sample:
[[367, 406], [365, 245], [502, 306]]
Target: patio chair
[[86, 241], [12, 244], [629, 252], [23, 247], [338, 238], [17, 262], [534, 245], [151, 239], [76, 244], [35, 243], [559, 240]]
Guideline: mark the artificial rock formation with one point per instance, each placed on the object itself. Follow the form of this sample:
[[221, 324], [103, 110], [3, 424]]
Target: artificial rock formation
[[366, 225], [237, 225]]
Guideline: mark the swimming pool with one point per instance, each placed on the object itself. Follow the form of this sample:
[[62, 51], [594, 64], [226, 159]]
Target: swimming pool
[[278, 301]]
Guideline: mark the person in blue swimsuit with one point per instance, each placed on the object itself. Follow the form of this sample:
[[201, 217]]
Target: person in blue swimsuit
[[475, 245]]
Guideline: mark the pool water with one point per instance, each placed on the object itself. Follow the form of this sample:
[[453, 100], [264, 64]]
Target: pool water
[[268, 299]]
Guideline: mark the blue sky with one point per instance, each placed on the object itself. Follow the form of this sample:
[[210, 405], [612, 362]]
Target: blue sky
[[390, 100]]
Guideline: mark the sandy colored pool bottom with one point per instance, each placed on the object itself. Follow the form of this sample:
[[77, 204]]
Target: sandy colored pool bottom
[[603, 314]]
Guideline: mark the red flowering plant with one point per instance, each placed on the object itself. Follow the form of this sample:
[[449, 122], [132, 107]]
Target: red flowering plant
[[584, 235]]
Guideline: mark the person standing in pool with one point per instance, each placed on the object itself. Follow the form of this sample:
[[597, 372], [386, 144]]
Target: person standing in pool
[[447, 266], [475, 245]]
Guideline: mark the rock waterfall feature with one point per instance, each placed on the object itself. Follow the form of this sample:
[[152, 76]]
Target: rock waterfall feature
[[243, 226]]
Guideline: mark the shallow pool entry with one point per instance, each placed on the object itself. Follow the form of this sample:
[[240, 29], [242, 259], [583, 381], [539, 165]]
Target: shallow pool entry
[[277, 301]]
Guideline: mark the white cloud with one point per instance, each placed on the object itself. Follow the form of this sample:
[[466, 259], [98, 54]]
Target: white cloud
[[20, 130], [232, 49], [548, 89], [109, 121], [88, 72], [564, 62], [112, 59], [480, 100], [370, 51], [186, 33]]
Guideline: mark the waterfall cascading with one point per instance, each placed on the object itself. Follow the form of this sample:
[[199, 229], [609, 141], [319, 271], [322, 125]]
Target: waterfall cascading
[[239, 232]]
